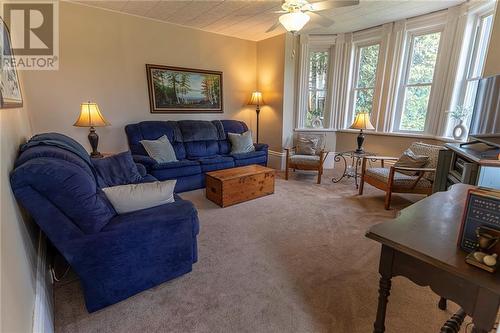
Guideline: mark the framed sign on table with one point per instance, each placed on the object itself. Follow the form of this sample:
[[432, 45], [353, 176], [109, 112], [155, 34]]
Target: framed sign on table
[[184, 90]]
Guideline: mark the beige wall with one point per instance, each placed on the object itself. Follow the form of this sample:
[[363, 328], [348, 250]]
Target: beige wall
[[18, 238], [270, 79], [102, 58], [492, 66]]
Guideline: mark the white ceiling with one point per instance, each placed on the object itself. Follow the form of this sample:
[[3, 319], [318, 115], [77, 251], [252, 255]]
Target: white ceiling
[[249, 19]]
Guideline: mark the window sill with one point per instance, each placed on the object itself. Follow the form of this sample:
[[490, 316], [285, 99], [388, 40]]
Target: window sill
[[393, 134]]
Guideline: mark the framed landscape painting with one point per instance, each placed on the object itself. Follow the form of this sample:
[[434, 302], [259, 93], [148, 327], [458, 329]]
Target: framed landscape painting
[[10, 91], [184, 90]]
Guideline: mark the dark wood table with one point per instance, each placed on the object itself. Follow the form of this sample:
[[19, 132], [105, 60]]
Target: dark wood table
[[421, 245]]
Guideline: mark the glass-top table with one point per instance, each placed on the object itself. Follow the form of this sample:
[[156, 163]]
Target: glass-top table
[[351, 170]]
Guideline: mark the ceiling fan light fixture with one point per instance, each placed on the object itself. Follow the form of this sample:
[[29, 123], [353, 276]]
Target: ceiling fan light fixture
[[294, 21]]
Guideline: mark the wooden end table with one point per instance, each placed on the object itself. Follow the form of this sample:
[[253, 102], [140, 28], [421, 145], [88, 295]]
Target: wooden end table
[[421, 245]]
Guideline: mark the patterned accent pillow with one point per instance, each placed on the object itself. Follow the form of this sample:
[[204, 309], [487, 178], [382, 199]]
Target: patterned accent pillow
[[410, 160], [160, 150], [241, 143], [307, 145]]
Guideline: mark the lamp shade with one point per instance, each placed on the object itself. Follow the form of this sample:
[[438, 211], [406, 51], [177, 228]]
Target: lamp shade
[[90, 116], [256, 98], [294, 21], [362, 121]]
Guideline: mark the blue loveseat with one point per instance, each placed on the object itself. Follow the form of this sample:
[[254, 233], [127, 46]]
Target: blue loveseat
[[200, 146], [114, 255]]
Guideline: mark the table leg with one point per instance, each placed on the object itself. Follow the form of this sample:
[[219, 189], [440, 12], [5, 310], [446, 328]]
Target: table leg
[[383, 297], [453, 324], [442, 304], [385, 270], [356, 171], [337, 158]]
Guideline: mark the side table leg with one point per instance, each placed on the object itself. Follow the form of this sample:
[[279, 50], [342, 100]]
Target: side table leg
[[442, 305], [383, 297], [453, 324]]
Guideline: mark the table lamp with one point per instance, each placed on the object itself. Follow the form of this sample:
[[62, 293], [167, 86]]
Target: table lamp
[[256, 99], [90, 116], [361, 122]]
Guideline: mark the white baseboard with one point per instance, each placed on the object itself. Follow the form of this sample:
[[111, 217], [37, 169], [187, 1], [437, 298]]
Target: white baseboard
[[276, 160], [43, 315]]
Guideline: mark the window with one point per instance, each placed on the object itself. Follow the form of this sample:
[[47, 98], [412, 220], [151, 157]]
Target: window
[[365, 77], [317, 88], [417, 82], [479, 48]]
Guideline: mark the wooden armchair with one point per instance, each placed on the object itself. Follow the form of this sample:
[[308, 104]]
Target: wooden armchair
[[307, 162], [396, 179]]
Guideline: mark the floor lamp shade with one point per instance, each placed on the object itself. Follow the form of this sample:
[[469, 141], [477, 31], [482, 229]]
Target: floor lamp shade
[[361, 122], [257, 100], [90, 116]]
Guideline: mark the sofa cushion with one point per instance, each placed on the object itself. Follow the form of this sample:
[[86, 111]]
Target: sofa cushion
[[160, 150], [133, 197], [152, 130], [230, 126], [198, 130], [70, 189], [217, 162], [177, 169], [241, 143], [117, 169], [251, 154], [262, 160], [197, 149]]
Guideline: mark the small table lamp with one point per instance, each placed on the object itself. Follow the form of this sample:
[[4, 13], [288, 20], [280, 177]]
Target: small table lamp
[[256, 99], [361, 122], [90, 116]]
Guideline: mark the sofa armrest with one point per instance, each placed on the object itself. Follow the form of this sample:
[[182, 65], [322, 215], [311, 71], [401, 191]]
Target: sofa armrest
[[261, 146], [144, 160]]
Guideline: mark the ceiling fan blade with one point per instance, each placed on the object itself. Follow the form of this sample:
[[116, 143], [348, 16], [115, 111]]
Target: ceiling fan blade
[[325, 5], [274, 26], [320, 20]]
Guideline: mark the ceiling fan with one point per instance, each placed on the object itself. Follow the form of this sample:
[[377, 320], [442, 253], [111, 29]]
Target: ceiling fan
[[296, 13]]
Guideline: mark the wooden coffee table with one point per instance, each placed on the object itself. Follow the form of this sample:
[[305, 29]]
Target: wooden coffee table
[[231, 186]]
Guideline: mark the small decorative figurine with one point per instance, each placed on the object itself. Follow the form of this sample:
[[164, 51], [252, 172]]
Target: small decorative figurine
[[483, 258]]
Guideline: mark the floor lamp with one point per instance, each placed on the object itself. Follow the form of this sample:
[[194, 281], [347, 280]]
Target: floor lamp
[[256, 99]]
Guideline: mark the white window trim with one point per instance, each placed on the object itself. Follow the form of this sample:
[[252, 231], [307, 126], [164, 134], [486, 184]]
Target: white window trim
[[403, 85], [308, 43], [355, 76]]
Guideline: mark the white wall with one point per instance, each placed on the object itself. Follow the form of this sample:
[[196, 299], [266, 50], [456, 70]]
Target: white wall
[[18, 236], [102, 58]]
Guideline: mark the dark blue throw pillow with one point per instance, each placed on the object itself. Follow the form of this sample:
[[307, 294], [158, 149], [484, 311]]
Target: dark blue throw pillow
[[119, 169]]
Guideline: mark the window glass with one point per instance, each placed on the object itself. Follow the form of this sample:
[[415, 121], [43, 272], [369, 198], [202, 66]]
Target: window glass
[[481, 46], [417, 87], [318, 76], [423, 58], [368, 60]]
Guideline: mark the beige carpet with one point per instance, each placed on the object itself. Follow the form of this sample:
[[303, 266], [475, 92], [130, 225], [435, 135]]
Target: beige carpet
[[296, 261]]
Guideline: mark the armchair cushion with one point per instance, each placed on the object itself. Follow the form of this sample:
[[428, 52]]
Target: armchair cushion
[[410, 160], [400, 179], [307, 145], [432, 151], [305, 159]]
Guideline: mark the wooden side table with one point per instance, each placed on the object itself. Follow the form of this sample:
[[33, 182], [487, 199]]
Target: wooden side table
[[421, 245]]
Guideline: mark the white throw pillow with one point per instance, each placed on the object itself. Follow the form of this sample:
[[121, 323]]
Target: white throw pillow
[[241, 143], [132, 197], [161, 149]]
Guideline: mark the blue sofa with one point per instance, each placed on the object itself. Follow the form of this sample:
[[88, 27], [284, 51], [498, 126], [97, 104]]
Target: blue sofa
[[200, 146], [115, 255]]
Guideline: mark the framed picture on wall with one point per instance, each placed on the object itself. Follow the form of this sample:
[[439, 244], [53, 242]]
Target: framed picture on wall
[[10, 91], [184, 90]]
